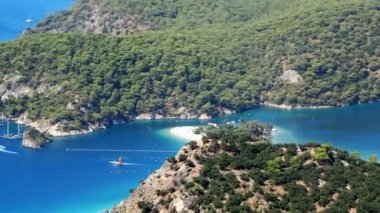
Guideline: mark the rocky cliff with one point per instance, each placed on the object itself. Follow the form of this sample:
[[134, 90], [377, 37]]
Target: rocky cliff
[[198, 58], [92, 16], [237, 170], [166, 181], [34, 139]]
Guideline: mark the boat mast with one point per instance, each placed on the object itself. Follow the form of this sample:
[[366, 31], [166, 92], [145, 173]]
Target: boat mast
[[8, 127]]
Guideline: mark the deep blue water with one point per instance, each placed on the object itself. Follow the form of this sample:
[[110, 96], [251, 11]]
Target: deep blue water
[[56, 180], [14, 13]]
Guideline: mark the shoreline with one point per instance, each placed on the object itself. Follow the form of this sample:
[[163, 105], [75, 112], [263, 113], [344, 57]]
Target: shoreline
[[186, 133], [294, 107], [44, 127], [145, 187]]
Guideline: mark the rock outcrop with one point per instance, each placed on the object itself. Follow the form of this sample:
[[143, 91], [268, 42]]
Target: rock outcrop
[[236, 169], [92, 16], [290, 107], [55, 130], [149, 116], [291, 76], [34, 139], [164, 181], [167, 189]]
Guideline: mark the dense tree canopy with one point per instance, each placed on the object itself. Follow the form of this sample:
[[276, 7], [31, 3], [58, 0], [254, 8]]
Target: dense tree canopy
[[232, 62], [237, 169], [291, 178]]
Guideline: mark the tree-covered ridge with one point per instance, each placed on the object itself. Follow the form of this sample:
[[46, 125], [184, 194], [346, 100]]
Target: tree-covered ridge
[[238, 170], [292, 178], [82, 78], [125, 16]]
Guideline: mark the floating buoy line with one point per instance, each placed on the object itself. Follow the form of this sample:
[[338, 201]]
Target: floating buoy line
[[120, 150]]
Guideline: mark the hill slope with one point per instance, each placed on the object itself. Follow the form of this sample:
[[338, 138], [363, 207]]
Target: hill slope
[[311, 56], [238, 170], [125, 16]]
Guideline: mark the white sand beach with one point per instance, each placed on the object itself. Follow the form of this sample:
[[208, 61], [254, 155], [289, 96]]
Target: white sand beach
[[186, 132]]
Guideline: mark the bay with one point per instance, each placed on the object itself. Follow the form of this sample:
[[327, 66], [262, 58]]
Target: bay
[[56, 180]]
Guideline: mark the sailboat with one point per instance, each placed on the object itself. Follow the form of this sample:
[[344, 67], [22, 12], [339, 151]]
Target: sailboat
[[118, 163], [28, 20], [13, 136], [2, 120]]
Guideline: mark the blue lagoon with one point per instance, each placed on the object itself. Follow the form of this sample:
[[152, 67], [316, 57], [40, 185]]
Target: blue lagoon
[[56, 180]]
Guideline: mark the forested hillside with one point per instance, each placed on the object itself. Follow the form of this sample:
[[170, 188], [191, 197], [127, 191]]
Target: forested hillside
[[237, 169], [184, 63], [125, 16]]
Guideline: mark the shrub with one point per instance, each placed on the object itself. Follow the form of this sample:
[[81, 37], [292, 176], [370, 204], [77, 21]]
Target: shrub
[[146, 207], [182, 157], [189, 163]]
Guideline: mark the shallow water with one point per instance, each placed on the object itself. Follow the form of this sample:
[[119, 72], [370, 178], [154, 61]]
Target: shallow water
[[56, 180]]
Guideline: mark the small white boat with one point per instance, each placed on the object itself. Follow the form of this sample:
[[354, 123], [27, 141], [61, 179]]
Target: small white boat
[[28, 20], [118, 162]]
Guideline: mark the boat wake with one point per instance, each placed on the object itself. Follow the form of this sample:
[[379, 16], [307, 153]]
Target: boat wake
[[133, 164], [3, 149], [123, 164]]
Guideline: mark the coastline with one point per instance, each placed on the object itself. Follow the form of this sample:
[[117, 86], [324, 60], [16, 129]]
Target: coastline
[[186, 132], [44, 126], [149, 186], [293, 107], [182, 133]]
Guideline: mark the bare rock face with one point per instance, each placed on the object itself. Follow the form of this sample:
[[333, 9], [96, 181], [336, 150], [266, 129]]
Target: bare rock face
[[28, 142], [291, 76], [164, 186], [204, 117], [34, 139], [180, 113], [91, 16], [144, 116]]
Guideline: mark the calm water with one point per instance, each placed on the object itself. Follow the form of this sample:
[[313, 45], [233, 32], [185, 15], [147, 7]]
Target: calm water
[[56, 180], [14, 13]]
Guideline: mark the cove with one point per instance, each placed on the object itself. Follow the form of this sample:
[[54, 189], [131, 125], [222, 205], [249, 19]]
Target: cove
[[352, 128], [56, 180], [14, 13]]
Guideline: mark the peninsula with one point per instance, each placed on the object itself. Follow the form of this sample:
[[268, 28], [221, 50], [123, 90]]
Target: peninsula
[[237, 169], [107, 62]]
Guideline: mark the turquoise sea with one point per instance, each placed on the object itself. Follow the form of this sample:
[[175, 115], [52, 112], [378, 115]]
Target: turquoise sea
[[56, 180], [14, 13]]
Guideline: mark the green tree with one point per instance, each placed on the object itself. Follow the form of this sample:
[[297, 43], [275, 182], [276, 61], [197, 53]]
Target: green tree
[[373, 158]]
